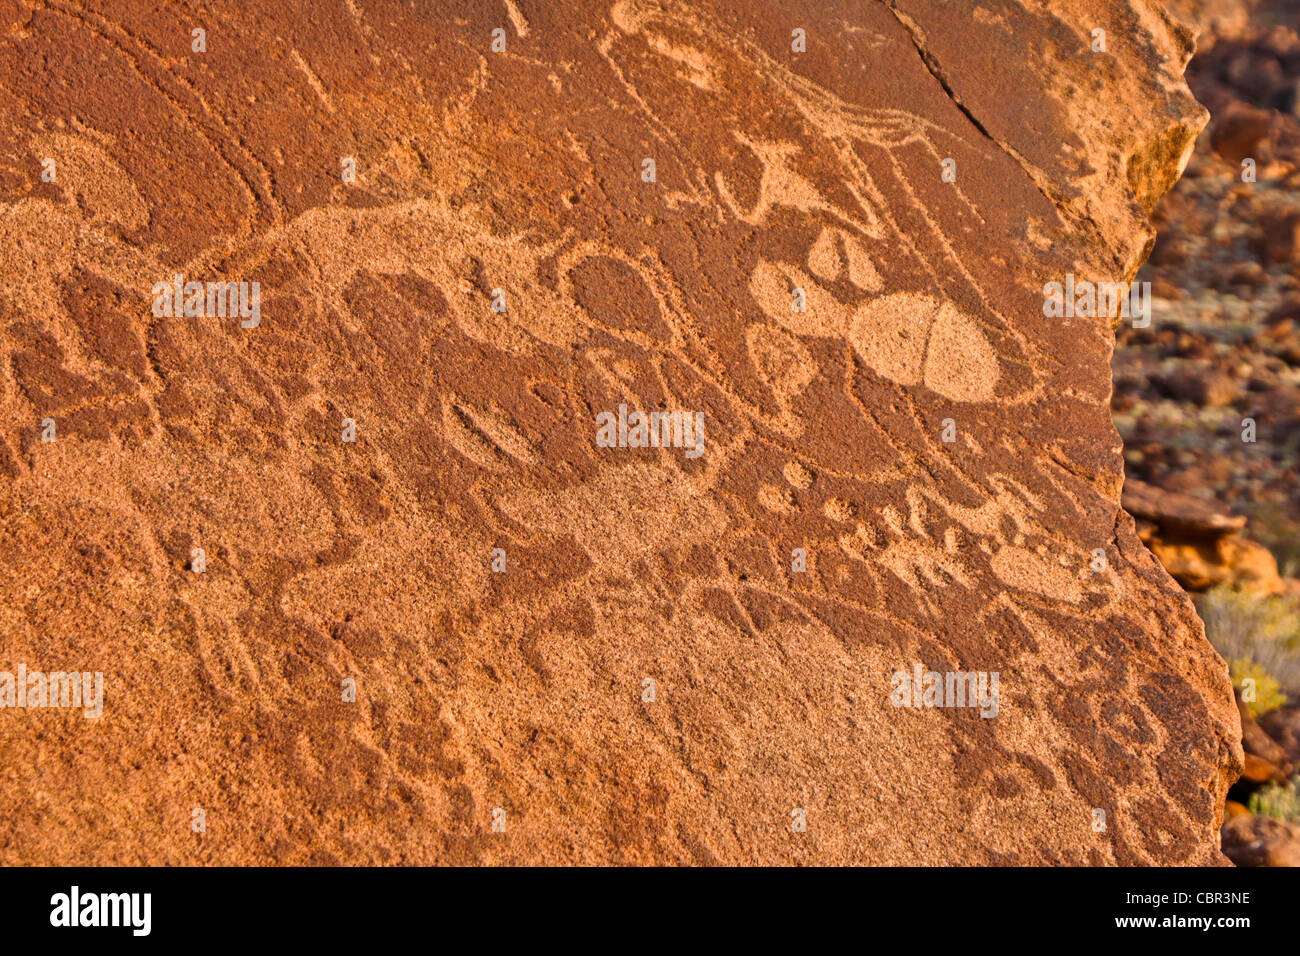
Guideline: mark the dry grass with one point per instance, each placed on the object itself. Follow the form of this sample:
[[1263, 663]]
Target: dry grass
[[1260, 636]]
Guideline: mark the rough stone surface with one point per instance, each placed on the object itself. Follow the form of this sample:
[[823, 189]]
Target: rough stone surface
[[1255, 740], [1172, 513], [1200, 565], [1197, 542], [522, 690], [1261, 841], [1283, 726]]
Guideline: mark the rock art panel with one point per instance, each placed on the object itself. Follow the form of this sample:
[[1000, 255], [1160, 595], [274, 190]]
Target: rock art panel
[[397, 481]]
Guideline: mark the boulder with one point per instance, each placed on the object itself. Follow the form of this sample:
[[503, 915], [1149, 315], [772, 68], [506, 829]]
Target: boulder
[[1283, 726], [385, 569], [1279, 239], [1206, 388], [1259, 770], [1174, 514], [1198, 543], [1259, 742], [1261, 841], [1236, 134], [1234, 809], [1200, 565]]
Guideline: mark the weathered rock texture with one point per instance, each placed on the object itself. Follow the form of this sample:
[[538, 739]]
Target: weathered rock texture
[[1198, 543], [522, 690]]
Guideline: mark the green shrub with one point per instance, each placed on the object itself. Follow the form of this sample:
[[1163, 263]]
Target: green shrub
[[1267, 691], [1281, 801], [1260, 637]]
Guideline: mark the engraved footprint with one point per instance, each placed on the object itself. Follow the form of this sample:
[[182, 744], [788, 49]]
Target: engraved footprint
[[906, 337], [915, 339]]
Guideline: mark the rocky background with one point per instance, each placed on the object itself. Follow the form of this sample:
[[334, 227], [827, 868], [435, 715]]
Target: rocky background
[[1222, 513]]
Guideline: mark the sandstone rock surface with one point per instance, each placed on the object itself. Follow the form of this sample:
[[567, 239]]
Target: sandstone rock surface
[[518, 698], [1172, 514], [1198, 543]]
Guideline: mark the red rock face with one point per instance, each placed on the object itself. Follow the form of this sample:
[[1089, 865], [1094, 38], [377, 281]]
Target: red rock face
[[562, 651]]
